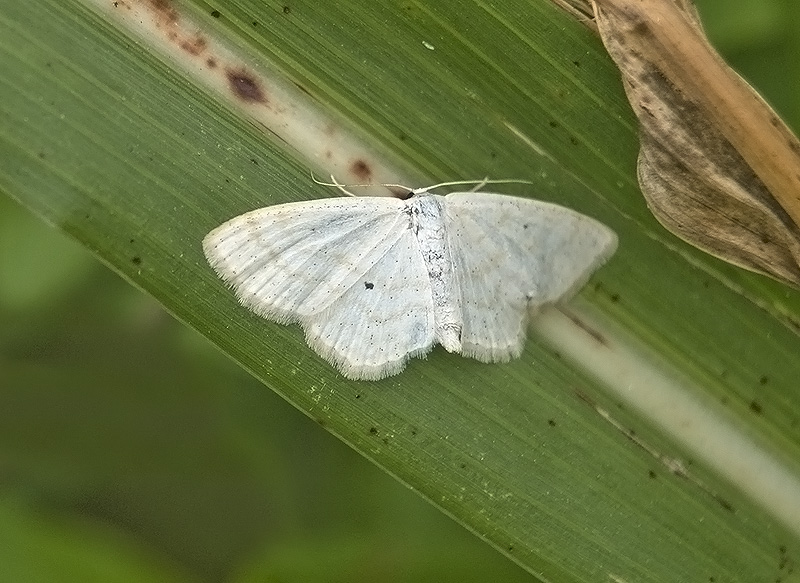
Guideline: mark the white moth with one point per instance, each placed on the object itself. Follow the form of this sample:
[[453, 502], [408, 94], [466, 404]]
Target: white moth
[[375, 281]]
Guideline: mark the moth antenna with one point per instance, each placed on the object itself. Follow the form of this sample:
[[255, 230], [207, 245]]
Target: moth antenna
[[478, 184]]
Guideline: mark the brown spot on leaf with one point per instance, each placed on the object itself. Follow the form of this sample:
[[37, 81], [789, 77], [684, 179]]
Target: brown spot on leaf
[[211, 63], [640, 29], [194, 46], [287, 10], [245, 86], [756, 407], [361, 170], [168, 15], [215, 13]]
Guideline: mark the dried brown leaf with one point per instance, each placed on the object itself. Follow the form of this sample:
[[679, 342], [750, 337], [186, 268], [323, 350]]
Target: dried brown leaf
[[717, 166]]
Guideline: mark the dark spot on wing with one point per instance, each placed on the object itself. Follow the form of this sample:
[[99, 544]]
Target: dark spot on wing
[[245, 86], [368, 285], [361, 170]]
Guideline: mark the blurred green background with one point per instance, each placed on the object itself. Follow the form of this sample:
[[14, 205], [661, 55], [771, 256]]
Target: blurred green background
[[132, 450]]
